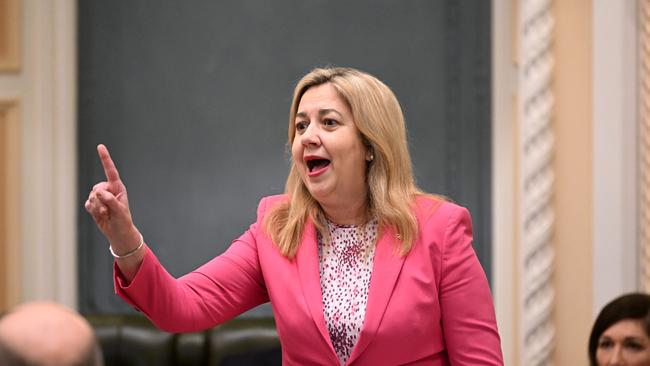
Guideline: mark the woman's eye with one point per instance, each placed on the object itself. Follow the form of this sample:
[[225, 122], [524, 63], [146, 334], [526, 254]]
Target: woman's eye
[[605, 344], [301, 126], [634, 346], [330, 122]]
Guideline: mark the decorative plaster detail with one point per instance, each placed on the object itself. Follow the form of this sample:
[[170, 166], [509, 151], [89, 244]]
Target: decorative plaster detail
[[536, 182], [644, 144]]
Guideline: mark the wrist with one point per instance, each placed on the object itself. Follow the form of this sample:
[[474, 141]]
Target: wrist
[[121, 251]]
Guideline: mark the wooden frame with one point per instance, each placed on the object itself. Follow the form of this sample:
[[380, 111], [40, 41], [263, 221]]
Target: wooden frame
[[9, 204], [10, 35]]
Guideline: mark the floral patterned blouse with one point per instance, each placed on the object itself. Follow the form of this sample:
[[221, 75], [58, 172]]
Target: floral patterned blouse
[[345, 270]]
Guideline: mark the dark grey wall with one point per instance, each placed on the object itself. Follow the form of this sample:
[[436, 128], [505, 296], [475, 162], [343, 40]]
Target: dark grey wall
[[192, 99]]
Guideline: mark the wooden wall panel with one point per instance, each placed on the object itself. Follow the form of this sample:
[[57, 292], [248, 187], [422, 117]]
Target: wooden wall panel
[[9, 35], [3, 209], [9, 204]]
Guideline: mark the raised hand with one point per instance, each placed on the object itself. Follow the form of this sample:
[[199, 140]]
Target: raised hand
[[108, 204]]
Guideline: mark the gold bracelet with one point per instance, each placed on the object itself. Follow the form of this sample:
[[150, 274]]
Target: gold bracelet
[[132, 252]]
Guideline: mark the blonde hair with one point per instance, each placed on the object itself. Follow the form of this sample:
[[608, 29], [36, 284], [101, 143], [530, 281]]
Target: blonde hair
[[389, 178]]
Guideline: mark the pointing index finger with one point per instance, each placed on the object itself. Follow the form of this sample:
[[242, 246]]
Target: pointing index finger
[[109, 167]]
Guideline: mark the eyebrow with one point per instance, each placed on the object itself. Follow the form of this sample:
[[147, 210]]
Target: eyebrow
[[321, 112], [633, 338], [626, 338]]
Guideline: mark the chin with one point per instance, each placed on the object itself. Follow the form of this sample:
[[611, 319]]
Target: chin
[[319, 194]]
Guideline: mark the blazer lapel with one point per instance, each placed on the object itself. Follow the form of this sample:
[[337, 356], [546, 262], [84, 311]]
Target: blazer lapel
[[309, 273], [386, 269]]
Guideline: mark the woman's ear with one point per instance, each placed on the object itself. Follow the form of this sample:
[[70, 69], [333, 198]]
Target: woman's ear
[[370, 152]]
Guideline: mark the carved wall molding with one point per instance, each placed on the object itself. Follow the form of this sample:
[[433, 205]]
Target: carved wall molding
[[535, 182], [644, 144]]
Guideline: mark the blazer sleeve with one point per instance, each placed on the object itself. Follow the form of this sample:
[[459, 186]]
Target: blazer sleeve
[[221, 289], [468, 320]]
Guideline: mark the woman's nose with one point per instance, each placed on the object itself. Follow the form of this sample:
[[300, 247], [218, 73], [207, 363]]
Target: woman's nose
[[311, 135], [616, 358]]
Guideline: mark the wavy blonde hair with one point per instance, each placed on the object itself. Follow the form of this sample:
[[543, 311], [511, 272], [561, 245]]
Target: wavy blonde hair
[[389, 178]]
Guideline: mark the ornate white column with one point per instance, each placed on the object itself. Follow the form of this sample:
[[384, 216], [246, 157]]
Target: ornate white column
[[47, 85], [535, 182]]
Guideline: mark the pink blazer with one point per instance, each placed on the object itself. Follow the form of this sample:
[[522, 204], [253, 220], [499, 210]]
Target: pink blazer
[[431, 307]]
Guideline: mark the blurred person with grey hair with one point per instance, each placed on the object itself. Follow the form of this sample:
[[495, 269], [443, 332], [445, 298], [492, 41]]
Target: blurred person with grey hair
[[47, 334]]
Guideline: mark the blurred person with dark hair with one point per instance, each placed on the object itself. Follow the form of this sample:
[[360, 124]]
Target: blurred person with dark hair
[[621, 332], [47, 334]]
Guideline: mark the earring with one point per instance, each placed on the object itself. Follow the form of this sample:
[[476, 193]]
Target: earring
[[371, 158]]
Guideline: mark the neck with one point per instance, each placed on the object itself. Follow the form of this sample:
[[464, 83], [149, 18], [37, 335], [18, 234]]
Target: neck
[[354, 213]]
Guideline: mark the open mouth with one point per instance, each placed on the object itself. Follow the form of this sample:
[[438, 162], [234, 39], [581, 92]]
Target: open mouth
[[317, 164]]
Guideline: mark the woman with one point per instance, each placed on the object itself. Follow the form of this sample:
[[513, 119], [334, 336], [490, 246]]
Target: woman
[[359, 265], [621, 333]]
